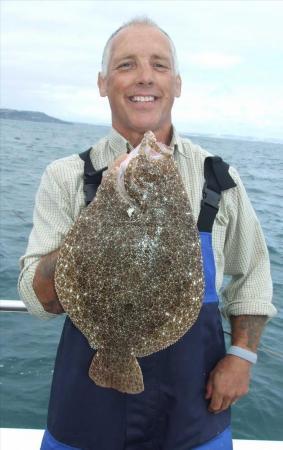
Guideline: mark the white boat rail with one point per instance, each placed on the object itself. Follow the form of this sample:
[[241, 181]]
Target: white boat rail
[[12, 305], [26, 439]]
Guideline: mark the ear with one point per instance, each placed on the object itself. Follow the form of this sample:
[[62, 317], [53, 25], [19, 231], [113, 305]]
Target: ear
[[178, 86], [102, 85]]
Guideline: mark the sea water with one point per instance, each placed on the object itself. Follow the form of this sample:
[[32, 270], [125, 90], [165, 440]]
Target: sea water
[[28, 345]]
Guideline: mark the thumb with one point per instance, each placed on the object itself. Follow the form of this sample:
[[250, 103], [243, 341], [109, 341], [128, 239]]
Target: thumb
[[209, 388], [116, 163]]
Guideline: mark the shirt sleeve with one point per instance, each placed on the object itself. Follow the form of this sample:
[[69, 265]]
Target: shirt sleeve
[[246, 259], [52, 219]]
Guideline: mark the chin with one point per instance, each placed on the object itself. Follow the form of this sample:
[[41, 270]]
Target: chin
[[146, 126]]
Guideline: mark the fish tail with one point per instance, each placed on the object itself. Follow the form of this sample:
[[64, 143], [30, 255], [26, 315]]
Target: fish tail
[[122, 373]]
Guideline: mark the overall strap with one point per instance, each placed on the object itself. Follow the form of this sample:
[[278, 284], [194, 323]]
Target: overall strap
[[216, 175], [217, 179], [92, 177]]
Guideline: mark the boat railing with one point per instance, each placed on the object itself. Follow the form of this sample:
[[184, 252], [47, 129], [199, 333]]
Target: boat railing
[[12, 306]]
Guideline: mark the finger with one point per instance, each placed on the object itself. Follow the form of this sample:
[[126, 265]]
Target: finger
[[118, 161], [113, 166], [216, 403], [208, 393], [225, 404]]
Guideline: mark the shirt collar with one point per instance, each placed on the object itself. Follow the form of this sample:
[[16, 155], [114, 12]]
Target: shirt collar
[[119, 144]]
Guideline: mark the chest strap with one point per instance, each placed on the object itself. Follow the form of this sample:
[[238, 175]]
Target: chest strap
[[217, 179], [92, 177], [216, 175]]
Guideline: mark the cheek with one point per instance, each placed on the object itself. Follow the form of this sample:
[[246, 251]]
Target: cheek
[[169, 89], [118, 84], [169, 97]]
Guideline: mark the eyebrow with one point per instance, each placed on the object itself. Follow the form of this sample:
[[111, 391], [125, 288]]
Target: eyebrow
[[154, 57], [161, 57], [120, 58]]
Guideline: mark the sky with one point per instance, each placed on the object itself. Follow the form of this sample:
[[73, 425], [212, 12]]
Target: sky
[[230, 57]]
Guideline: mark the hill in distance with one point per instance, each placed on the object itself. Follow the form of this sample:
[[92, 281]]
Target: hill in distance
[[33, 116], [36, 116]]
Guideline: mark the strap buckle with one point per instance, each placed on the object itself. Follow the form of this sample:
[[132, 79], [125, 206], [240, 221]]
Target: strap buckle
[[210, 197]]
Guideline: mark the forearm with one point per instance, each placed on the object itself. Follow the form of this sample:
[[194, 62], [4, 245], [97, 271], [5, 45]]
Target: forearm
[[246, 330], [43, 283], [229, 380]]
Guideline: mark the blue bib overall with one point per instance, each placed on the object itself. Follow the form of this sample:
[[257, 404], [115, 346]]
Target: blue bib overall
[[170, 414]]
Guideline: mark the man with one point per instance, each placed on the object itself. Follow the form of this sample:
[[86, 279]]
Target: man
[[190, 387]]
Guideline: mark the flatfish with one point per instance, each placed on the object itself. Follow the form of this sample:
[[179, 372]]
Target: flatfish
[[129, 273]]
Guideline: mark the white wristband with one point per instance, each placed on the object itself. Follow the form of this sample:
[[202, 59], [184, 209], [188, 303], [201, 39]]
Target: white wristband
[[242, 353]]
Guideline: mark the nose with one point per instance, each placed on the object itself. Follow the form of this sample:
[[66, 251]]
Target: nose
[[145, 76]]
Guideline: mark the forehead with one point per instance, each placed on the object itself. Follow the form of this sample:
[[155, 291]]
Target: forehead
[[140, 40]]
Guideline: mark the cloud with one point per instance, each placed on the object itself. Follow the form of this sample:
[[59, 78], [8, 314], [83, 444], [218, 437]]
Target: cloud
[[214, 60], [244, 110], [230, 55], [71, 102]]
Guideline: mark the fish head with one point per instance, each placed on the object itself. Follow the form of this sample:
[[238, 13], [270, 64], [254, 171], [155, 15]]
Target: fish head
[[143, 172]]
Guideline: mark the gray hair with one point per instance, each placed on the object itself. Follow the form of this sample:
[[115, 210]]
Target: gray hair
[[136, 21]]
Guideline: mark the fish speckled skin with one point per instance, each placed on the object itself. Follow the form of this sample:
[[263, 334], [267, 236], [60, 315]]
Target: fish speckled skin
[[129, 273]]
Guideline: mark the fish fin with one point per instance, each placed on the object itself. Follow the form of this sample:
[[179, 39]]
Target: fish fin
[[121, 373]]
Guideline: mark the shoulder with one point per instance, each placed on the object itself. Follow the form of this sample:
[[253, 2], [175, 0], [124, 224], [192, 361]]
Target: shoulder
[[65, 167], [192, 157], [193, 153], [199, 154], [63, 177], [195, 150], [100, 153], [69, 171]]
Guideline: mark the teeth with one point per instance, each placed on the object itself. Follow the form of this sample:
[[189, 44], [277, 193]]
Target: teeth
[[138, 98]]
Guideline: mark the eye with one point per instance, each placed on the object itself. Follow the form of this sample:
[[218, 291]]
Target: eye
[[125, 65], [160, 66]]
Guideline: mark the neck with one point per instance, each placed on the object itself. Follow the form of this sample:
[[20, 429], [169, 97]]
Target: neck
[[135, 137]]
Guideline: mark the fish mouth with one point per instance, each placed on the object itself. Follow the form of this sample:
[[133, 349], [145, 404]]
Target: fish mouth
[[143, 98]]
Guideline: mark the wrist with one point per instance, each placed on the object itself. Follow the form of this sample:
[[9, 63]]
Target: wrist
[[243, 353]]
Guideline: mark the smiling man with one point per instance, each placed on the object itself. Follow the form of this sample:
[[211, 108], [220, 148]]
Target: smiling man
[[189, 386], [141, 83]]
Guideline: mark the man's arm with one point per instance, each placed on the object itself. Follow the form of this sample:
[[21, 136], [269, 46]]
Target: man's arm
[[247, 297], [44, 286], [230, 378], [247, 330], [54, 214]]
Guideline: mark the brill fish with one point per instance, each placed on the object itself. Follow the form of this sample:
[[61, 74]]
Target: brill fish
[[129, 273]]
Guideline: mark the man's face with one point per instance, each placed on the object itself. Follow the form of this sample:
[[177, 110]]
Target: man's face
[[140, 84]]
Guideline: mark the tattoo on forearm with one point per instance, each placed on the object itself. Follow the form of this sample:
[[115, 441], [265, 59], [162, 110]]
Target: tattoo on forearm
[[249, 327], [43, 283], [48, 265]]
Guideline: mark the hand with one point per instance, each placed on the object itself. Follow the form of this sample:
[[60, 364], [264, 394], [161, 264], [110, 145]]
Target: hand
[[227, 382], [43, 283], [53, 306], [116, 163]]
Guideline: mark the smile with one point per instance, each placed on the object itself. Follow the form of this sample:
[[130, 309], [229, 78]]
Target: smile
[[142, 99]]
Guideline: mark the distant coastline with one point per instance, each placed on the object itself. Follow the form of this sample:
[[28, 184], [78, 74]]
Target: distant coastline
[[37, 116], [33, 116]]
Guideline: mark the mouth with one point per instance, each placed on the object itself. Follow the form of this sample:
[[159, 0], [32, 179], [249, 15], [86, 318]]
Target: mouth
[[143, 98]]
